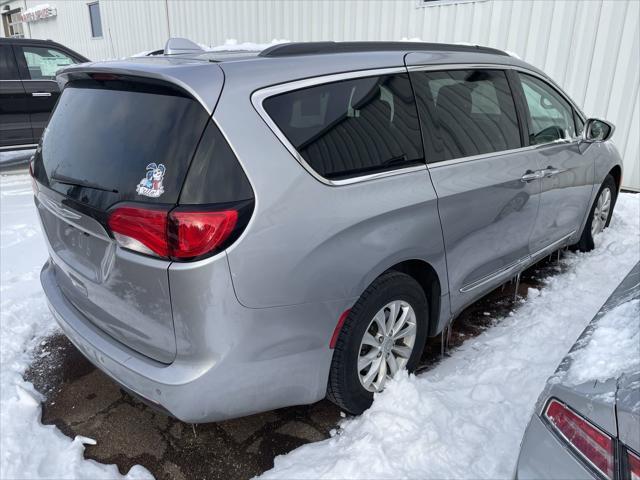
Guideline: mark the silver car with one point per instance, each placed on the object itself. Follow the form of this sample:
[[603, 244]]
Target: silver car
[[587, 429], [233, 233]]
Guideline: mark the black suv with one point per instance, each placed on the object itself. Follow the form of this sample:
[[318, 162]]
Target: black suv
[[28, 88]]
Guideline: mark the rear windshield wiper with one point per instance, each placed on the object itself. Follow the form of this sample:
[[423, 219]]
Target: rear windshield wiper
[[80, 183]]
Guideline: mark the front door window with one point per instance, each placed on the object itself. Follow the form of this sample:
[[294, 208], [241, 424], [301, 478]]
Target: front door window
[[550, 115]]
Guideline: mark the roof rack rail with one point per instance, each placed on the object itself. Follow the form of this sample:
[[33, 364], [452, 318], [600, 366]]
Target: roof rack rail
[[316, 48]]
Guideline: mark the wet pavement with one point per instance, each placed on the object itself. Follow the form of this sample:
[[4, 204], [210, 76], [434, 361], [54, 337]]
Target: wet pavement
[[81, 400]]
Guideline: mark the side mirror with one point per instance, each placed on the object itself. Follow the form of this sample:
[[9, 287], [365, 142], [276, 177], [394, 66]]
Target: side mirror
[[596, 130]]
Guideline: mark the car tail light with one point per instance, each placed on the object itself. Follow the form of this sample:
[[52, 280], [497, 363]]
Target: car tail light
[[176, 234], [195, 233], [595, 446], [634, 465], [141, 229], [103, 77]]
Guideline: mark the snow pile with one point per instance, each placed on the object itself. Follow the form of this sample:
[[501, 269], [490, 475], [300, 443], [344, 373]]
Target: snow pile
[[27, 448], [229, 45], [232, 45], [612, 348], [465, 417], [144, 53]]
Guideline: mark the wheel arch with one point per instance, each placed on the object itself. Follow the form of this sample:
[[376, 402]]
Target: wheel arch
[[427, 277], [616, 173]]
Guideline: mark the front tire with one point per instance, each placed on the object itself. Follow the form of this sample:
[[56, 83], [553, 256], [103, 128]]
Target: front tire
[[599, 215], [385, 332]]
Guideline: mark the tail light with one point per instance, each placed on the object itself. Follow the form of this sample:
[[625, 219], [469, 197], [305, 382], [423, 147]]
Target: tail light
[[193, 234], [595, 446], [141, 229], [634, 465], [103, 77], [176, 234]]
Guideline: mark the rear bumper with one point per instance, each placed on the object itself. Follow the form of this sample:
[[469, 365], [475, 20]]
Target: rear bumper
[[543, 456], [245, 361]]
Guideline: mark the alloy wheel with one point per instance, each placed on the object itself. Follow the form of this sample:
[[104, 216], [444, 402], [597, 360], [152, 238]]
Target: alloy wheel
[[601, 212], [387, 344]]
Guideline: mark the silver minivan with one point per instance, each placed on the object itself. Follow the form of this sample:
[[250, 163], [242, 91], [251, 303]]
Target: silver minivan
[[231, 233]]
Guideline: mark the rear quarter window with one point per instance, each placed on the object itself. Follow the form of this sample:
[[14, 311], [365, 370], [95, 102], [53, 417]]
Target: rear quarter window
[[353, 127], [215, 175]]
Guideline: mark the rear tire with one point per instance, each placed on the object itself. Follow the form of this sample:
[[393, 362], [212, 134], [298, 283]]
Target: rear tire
[[599, 215], [393, 302]]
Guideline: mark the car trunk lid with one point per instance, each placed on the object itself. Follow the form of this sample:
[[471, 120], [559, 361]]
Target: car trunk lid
[[115, 140]]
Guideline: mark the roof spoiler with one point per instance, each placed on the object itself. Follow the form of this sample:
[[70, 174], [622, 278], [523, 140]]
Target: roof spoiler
[[205, 88], [176, 45]]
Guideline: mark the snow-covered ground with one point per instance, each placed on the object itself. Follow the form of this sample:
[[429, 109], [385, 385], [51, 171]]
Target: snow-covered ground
[[29, 449], [464, 418]]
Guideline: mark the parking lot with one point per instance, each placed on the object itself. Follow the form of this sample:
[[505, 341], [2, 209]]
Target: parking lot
[[499, 337], [81, 400]]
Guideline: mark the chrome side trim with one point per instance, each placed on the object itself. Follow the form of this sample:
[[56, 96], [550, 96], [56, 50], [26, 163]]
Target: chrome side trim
[[503, 272], [471, 158], [518, 265], [258, 97], [377, 175], [41, 79], [17, 148], [30, 80], [544, 251]]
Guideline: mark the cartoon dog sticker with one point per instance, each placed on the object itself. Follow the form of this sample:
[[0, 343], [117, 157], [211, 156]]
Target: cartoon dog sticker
[[151, 184]]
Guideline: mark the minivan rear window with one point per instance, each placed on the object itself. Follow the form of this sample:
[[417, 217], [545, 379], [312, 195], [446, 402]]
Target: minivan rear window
[[351, 127], [122, 142]]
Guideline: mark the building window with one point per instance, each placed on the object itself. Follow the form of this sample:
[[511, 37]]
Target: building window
[[96, 22], [13, 24]]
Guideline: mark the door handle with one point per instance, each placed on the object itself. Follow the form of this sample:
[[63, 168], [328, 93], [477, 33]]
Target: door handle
[[530, 176], [551, 171], [41, 94]]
